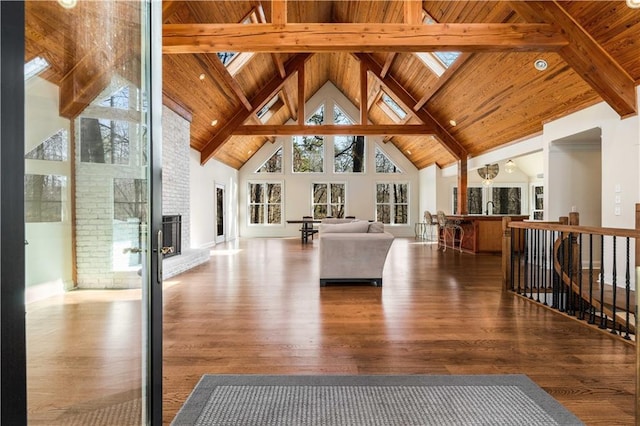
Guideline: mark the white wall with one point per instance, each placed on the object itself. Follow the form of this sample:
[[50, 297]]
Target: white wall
[[360, 187], [202, 199]]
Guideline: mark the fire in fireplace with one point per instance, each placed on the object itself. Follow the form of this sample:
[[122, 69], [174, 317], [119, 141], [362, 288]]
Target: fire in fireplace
[[172, 234]]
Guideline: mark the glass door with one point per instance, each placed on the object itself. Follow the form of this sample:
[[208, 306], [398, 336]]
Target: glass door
[[220, 214], [89, 225]]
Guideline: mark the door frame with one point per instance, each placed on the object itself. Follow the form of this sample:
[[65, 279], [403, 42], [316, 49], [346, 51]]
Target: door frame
[[13, 369], [220, 238]]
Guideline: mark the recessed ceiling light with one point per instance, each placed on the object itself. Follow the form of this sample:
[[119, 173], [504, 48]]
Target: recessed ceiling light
[[250, 151], [540, 64], [201, 76], [408, 152], [453, 123], [214, 122], [68, 4], [634, 4]]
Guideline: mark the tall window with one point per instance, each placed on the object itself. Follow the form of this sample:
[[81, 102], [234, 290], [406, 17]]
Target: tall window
[[348, 151], [392, 203], [506, 200], [308, 151], [43, 197], [328, 200], [104, 141], [265, 203], [129, 199], [474, 200]]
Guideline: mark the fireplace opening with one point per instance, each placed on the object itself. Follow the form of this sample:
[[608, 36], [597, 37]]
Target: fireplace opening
[[171, 235]]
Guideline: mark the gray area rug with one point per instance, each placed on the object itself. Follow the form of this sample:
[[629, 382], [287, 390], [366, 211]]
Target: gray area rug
[[371, 400]]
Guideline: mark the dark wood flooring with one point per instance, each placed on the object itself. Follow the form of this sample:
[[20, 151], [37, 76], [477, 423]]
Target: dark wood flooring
[[257, 308]]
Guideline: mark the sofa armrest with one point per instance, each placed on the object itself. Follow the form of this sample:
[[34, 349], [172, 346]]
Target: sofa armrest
[[353, 255]]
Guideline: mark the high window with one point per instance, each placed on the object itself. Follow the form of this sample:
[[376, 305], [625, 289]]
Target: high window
[[265, 203], [392, 203], [392, 108], [54, 148], [384, 163], [104, 141], [273, 164], [348, 151], [234, 61], [328, 200], [308, 151]]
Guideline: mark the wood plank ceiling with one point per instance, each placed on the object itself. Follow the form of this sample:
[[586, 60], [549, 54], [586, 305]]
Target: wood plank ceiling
[[492, 92]]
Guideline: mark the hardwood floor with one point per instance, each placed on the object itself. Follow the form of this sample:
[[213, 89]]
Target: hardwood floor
[[256, 308]]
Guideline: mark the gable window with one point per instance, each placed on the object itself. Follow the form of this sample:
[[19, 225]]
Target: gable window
[[265, 203], [308, 151], [273, 164], [384, 163], [54, 148], [328, 200], [43, 197], [392, 203]]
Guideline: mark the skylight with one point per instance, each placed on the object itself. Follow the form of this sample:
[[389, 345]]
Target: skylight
[[234, 61], [438, 62], [267, 106], [393, 105], [35, 67]]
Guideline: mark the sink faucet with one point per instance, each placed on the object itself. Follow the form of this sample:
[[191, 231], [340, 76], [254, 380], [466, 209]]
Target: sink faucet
[[492, 206]]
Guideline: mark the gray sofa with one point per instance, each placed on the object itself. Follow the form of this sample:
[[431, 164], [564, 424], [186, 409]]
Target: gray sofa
[[352, 251]]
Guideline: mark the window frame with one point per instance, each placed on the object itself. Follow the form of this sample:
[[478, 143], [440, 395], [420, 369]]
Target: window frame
[[487, 195], [393, 203], [329, 202], [265, 203]]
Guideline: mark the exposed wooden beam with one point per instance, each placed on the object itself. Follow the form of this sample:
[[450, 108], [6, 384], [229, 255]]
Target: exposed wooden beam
[[439, 82], [333, 129], [349, 37], [289, 102], [586, 56], [258, 122], [374, 94], [83, 83], [391, 56], [463, 174], [241, 114], [448, 142], [169, 7], [301, 95], [227, 79], [277, 60], [279, 12], [364, 94], [412, 12]]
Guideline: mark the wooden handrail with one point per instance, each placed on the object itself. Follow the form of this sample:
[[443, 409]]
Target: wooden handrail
[[617, 232]]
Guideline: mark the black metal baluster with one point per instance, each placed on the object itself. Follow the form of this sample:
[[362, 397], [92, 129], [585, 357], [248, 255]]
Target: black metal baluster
[[603, 317], [615, 285], [580, 299], [513, 254], [520, 259], [534, 265], [526, 261], [544, 265], [569, 286], [554, 275], [627, 294], [592, 312]]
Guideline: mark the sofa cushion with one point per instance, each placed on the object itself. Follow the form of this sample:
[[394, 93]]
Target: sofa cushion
[[351, 227], [376, 227]]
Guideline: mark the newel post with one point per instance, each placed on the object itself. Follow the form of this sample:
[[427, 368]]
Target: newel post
[[506, 253]]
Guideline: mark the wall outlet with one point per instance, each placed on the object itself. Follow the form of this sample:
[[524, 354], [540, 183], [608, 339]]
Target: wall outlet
[[617, 199], [616, 211]]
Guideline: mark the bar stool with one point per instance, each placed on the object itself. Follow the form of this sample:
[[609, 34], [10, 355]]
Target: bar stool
[[446, 226]]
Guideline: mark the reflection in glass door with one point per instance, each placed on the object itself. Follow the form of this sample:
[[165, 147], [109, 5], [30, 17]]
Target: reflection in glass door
[[220, 214], [87, 203]]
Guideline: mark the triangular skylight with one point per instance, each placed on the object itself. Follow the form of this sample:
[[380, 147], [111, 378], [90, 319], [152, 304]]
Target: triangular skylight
[[384, 163], [393, 106], [273, 164], [262, 112], [54, 148]]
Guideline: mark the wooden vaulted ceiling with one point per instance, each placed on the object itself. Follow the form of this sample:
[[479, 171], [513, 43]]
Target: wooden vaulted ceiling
[[492, 92]]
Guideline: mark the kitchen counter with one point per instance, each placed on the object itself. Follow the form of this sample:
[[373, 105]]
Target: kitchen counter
[[482, 233]]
